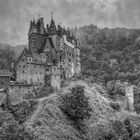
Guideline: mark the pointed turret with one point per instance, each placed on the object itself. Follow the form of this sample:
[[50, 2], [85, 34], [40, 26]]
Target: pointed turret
[[33, 27], [40, 24], [52, 28]]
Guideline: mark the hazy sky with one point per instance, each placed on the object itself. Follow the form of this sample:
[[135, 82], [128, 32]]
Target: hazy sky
[[16, 14]]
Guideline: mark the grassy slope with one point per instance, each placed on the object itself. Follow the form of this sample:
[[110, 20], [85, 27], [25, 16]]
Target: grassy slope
[[54, 125]]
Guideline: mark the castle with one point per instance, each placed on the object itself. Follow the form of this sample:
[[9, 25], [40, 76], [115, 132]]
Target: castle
[[53, 55]]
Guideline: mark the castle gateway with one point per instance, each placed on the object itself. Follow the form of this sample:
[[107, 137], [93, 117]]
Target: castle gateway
[[53, 55]]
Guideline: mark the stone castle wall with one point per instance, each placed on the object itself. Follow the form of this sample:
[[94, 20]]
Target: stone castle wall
[[35, 73]]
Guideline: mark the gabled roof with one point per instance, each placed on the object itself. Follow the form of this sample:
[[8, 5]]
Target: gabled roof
[[42, 47], [51, 42], [29, 52], [26, 52], [48, 40]]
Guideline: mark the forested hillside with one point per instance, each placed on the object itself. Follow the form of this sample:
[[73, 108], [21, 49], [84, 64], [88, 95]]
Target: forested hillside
[[9, 54], [110, 54]]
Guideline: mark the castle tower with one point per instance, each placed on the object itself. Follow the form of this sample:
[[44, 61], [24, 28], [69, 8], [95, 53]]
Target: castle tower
[[40, 24], [52, 28], [33, 27]]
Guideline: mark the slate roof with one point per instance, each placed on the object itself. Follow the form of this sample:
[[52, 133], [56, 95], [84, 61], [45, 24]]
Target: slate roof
[[43, 45]]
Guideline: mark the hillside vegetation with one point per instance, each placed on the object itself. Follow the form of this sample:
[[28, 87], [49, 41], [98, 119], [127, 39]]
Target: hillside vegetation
[[100, 46], [104, 121]]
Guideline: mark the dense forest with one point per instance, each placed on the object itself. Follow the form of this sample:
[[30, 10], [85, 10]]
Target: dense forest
[[110, 54]]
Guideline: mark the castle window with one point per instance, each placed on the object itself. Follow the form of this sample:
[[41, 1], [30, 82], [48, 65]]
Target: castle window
[[30, 59], [47, 69], [23, 66], [22, 71], [54, 61], [60, 58]]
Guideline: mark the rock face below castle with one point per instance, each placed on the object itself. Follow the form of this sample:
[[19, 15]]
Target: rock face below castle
[[53, 55]]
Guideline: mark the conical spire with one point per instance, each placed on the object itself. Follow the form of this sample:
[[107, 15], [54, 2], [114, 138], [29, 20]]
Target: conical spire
[[52, 28], [52, 23]]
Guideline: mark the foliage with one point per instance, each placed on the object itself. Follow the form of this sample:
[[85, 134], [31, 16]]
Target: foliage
[[10, 129], [115, 106], [100, 46], [45, 90], [115, 88], [7, 57], [118, 130], [76, 106], [23, 110]]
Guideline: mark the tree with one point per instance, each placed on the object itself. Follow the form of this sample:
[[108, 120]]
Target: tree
[[10, 129], [76, 106]]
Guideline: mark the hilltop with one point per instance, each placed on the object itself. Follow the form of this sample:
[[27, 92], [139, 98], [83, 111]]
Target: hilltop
[[53, 124]]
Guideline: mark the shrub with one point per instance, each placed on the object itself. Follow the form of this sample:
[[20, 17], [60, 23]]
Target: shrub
[[76, 106], [44, 91], [23, 110], [115, 106], [120, 130], [29, 95], [10, 129], [136, 136]]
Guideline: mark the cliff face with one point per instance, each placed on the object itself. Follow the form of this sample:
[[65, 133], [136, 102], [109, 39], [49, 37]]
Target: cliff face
[[53, 124]]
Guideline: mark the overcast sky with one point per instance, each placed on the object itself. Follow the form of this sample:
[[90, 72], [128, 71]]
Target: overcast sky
[[16, 14]]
